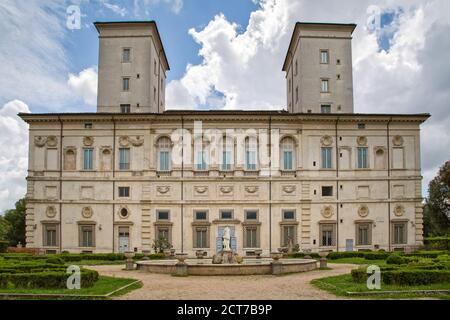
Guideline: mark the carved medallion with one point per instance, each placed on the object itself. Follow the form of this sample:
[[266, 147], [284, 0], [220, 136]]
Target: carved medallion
[[88, 141], [123, 141], [163, 189], [137, 142], [40, 141], [201, 189], [363, 211], [226, 189], [289, 189], [51, 212], [397, 141], [326, 141], [87, 212], [361, 141], [252, 189], [399, 210], [327, 212], [52, 141]]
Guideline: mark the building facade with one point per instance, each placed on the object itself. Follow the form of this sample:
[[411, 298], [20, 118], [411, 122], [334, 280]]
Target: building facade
[[317, 175]]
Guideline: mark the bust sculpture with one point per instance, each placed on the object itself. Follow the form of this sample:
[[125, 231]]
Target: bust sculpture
[[226, 239]]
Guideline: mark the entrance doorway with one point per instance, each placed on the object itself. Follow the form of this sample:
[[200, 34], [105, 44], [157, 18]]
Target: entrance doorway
[[124, 239]]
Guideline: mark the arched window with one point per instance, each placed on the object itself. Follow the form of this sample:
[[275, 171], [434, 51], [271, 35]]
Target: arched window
[[70, 159], [227, 154], [164, 146], [251, 151], [287, 154]]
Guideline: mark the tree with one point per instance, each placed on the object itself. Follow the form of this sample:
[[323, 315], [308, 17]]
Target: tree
[[16, 220], [437, 207], [4, 228]]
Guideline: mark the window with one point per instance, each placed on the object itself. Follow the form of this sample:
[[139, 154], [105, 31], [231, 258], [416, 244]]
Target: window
[[296, 94], [287, 153], [88, 159], [164, 147], [289, 234], [87, 236], [126, 55], [251, 215], [125, 84], [361, 126], [201, 237], [201, 160], [124, 192], [125, 108], [155, 68], [201, 215], [124, 159], [251, 148], [324, 56], [363, 234], [88, 125], [154, 94], [296, 68], [399, 233], [362, 158], [325, 108], [251, 236], [288, 215], [324, 85], [163, 215], [227, 154], [327, 191], [327, 235], [50, 235], [326, 157], [226, 215]]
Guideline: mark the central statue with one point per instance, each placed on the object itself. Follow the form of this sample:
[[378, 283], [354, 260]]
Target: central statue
[[226, 239]]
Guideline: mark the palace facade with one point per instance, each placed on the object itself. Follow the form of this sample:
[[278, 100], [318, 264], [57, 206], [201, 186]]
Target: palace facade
[[317, 175]]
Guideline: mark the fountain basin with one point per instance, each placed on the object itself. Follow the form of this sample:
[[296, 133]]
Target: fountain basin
[[205, 267]]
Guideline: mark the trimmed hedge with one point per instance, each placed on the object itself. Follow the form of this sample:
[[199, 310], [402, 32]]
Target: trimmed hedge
[[4, 246], [395, 259], [45, 280], [407, 277], [369, 255], [439, 243], [299, 255]]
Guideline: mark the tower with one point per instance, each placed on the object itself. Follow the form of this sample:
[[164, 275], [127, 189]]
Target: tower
[[318, 68], [132, 67]]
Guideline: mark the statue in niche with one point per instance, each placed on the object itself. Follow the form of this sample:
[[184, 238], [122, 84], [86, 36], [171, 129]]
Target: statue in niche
[[226, 239]]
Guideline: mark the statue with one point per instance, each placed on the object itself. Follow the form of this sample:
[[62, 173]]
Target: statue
[[226, 239]]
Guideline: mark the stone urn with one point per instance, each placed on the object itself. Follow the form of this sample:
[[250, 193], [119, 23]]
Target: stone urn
[[258, 253], [167, 253], [324, 254], [239, 259], [129, 264], [276, 255], [199, 254], [181, 257], [129, 254], [172, 253], [323, 259]]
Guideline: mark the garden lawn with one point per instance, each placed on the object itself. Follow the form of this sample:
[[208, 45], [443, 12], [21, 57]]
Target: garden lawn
[[103, 286], [361, 261], [340, 285]]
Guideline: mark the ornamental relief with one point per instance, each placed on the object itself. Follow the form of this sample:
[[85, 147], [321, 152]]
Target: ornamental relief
[[399, 211], [226, 189], [200, 189], [251, 189], [50, 141], [361, 141], [125, 141], [289, 189], [327, 212], [88, 141], [363, 211], [163, 189], [326, 141], [50, 212], [87, 212], [397, 141]]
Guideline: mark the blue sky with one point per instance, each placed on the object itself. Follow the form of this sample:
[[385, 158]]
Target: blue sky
[[224, 54]]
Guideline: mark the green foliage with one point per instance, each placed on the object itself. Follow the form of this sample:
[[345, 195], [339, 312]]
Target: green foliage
[[369, 255], [4, 245], [437, 207], [415, 277], [55, 260], [16, 220], [4, 228], [161, 244], [395, 259], [437, 243]]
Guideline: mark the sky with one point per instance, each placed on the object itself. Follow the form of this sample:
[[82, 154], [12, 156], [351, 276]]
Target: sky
[[223, 54]]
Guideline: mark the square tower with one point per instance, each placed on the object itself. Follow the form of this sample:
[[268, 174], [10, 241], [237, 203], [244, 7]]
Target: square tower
[[132, 67], [318, 68]]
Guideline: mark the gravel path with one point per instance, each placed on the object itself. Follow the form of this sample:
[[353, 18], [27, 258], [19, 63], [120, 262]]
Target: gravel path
[[286, 287]]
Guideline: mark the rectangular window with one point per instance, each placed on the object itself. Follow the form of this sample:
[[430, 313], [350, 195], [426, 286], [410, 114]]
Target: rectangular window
[[399, 236], [201, 160], [87, 236], [124, 192], [327, 191], [361, 126], [124, 159], [362, 158], [226, 160], [327, 235], [226, 215], [251, 215], [201, 215], [363, 234], [296, 94], [324, 86], [125, 84], [126, 55], [326, 157], [288, 215], [88, 163], [251, 237], [125, 108], [287, 160], [155, 68], [289, 235], [164, 161], [325, 108], [163, 215], [324, 56], [50, 235], [250, 159], [201, 237], [88, 125]]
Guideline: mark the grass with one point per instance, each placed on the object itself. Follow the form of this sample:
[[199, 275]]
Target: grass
[[96, 262], [103, 286], [341, 285], [360, 261]]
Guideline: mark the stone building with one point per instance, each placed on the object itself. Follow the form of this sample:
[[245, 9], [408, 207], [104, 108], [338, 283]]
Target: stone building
[[317, 175]]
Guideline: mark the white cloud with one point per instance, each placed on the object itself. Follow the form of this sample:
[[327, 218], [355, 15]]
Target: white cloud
[[142, 6], [13, 154], [115, 8], [85, 85]]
